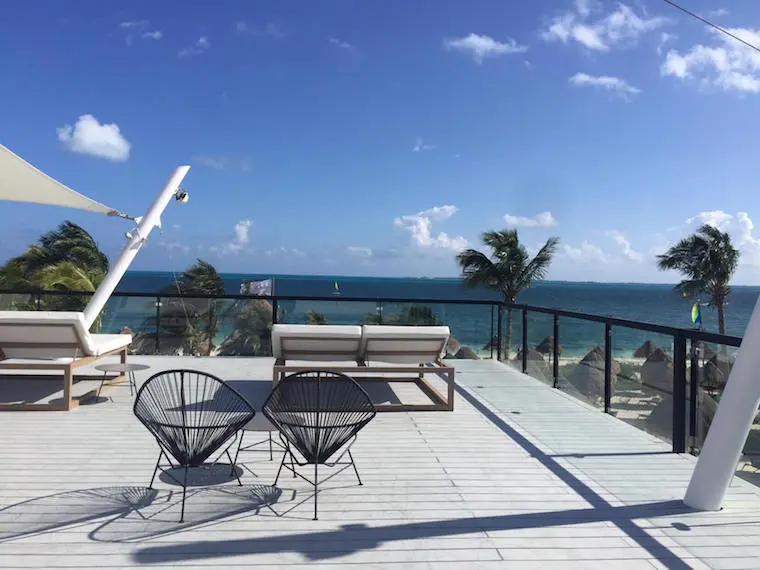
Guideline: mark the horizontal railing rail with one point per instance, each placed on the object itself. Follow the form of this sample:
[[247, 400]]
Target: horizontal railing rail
[[686, 343]]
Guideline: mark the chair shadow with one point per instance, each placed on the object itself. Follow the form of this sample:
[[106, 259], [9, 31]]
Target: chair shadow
[[68, 508], [204, 506]]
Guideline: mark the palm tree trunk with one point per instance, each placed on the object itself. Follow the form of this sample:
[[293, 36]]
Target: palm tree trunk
[[721, 306], [721, 317]]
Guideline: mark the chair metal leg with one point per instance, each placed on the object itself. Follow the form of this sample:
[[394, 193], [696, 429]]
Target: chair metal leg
[[237, 453], [97, 396], [316, 489], [232, 468], [160, 453], [184, 493], [271, 456], [353, 464], [277, 478]]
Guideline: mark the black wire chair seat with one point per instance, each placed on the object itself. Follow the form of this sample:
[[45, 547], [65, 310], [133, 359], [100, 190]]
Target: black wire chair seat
[[192, 415], [318, 415]]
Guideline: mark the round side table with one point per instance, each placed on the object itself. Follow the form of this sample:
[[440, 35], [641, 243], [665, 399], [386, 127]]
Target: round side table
[[128, 368]]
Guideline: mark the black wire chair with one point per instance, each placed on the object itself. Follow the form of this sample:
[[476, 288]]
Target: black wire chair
[[318, 414], [192, 415]]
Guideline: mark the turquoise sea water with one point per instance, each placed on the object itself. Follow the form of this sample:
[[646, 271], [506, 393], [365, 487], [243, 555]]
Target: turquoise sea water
[[472, 325]]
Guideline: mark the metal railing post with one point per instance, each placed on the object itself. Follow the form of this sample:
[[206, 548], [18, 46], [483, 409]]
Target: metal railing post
[[499, 331], [694, 395], [679, 393], [525, 341], [38, 301], [275, 311], [555, 351], [490, 338], [607, 367], [380, 312], [158, 324]]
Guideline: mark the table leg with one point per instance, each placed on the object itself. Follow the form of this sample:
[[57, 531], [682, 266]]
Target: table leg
[[97, 397]]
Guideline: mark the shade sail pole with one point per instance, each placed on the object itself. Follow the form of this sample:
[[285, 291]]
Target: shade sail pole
[[730, 427], [135, 241]]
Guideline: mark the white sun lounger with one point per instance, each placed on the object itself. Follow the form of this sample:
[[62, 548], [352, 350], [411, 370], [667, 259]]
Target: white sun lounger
[[53, 340], [372, 349]]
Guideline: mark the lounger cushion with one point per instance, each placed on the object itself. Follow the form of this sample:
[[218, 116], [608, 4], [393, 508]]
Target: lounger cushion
[[326, 343], [404, 344], [53, 334], [105, 343]]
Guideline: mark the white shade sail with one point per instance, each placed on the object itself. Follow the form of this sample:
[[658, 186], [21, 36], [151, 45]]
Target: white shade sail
[[22, 182]]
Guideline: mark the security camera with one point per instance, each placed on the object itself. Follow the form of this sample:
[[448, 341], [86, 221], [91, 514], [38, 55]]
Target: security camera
[[181, 196]]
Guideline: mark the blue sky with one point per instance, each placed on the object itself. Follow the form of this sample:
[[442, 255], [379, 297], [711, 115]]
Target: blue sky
[[378, 138]]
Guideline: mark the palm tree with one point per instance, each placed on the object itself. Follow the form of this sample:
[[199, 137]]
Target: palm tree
[[64, 259], [69, 242], [508, 270], [201, 279], [315, 318], [707, 259]]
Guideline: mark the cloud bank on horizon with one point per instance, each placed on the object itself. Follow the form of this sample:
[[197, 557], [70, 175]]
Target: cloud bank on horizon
[[618, 127]]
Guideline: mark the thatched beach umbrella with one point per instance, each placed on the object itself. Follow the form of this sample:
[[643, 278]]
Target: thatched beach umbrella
[[645, 349], [657, 372], [547, 346], [588, 376]]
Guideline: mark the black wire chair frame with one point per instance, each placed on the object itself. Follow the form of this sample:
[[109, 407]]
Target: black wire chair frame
[[192, 415], [318, 414]]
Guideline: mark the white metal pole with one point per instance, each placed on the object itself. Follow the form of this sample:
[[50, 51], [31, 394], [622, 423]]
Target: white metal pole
[[151, 219], [730, 427]]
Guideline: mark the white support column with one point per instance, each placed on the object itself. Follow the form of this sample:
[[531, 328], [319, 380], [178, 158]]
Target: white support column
[[151, 219], [730, 427]]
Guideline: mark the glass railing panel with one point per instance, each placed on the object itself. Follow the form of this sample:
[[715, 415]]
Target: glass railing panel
[[18, 302], [338, 312], [63, 301], [581, 362], [136, 315], [511, 336], [472, 325], [244, 327], [540, 353], [643, 384]]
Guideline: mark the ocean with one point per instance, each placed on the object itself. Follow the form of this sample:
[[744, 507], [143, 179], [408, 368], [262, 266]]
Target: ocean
[[473, 325]]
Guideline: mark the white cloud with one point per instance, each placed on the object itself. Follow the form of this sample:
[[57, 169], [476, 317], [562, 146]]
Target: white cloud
[[360, 251], [420, 224], [739, 226], [665, 37], [625, 246], [174, 246], [619, 27], [586, 253], [88, 136], [134, 24], [340, 43], [199, 47], [271, 29], [223, 162], [614, 84], [717, 13], [480, 47], [239, 241], [724, 64], [540, 220], [140, 28], [420, 146]]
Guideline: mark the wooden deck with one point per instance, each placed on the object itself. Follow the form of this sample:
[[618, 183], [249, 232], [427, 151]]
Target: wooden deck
[[518, 476]]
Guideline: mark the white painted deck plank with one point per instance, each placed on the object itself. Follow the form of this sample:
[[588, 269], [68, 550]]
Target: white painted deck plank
[[519, 476]]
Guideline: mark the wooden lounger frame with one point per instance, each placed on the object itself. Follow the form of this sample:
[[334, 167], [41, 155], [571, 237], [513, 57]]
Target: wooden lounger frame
[[362, 372], [69, 402]]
